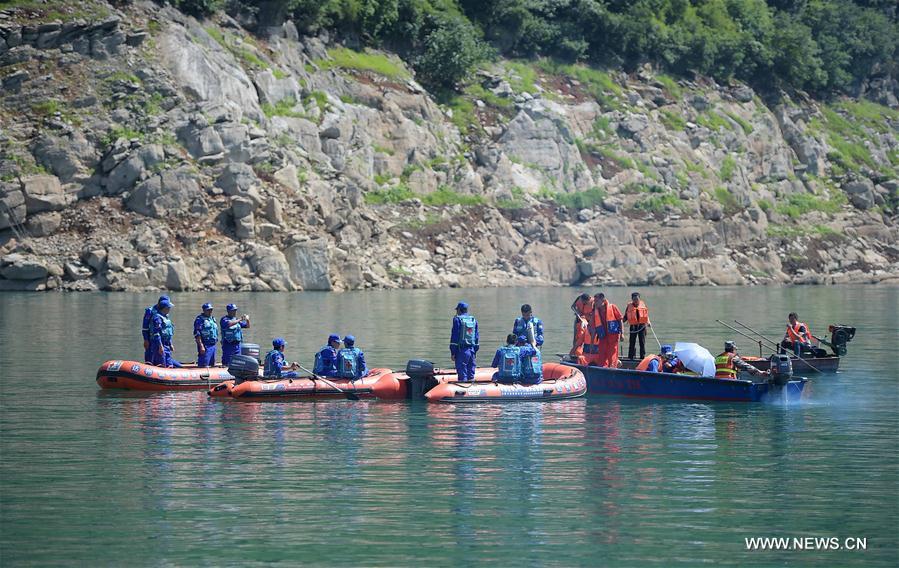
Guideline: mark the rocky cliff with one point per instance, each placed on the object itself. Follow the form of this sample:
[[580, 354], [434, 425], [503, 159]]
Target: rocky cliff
[[144, 149]]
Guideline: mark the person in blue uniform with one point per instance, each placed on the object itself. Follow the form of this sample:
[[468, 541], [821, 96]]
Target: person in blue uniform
[[350, 360], [326, 358], [518, 362], [206, 334], [232, 333], [276, 366], [531, 362], [520, 327], [464, 342], [162, 331], [149, 312]]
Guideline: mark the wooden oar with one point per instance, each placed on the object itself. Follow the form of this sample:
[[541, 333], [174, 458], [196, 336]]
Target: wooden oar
[[346, 393]]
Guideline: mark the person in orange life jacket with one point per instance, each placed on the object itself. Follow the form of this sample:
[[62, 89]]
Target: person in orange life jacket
[[665, 362], [350, 360], [583, 312], [729, 364], [149, 312], [606, 330], [637, 315], [206, 334], [798, 336], [276, 366], [161, 333], [464, 340], [232, 333]]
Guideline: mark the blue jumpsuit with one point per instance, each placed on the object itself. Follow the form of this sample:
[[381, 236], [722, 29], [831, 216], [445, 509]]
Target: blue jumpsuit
[[232, 335], [145, 331], [520, 328], [326, 362], [161, 332], [274, 365], [464, 354], [208, 332]]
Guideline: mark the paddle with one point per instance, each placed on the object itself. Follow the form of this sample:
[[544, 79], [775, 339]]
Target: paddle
[[348, 394]]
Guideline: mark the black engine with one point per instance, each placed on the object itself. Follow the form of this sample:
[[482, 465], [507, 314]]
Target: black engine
[[244, 368], [840, 336], [421, 378], [781, 369]]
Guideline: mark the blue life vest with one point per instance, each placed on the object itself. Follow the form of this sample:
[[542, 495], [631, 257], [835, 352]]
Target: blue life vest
[[232, 334], [168, 329], [319, 367], [348, 362], [532, 367], [148, 317], [509, 363], [272, 364], [467, 331], [209, 330]]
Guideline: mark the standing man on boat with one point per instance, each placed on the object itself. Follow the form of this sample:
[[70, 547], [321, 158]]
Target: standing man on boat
[[149, 312], [206, 334], [326, 358], [729, 364], [637, 315], [350, 360], [529, 326], [162, 331], [607, 330], [464, 340], [276, 366], [583, 316], [798, 337], [232, 333]]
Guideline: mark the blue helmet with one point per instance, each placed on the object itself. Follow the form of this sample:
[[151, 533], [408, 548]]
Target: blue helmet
[[164, 302], [332, 338], [278, 342], [522, 339], [231, 307], [666, 349], [349, 340], [207, 306], [462, 305]]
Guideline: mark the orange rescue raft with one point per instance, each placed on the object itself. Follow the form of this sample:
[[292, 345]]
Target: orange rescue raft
[[132, 375], [558, 383], [302, 388]]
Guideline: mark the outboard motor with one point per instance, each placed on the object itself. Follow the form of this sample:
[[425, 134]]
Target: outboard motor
[[781, 369], [421, 378], [840, 335], [251, 349], [244, 368]]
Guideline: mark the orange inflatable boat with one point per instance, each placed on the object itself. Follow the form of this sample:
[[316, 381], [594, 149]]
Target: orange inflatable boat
[[303, 388], [440, 385], [132, 375]]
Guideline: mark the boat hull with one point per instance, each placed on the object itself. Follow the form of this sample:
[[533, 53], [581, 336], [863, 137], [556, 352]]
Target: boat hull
[[559, 382], [303, 388], [806, 365], [629, 382], [134, 375]]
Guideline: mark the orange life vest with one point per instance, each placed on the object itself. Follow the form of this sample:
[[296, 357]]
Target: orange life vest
[[637, 315], [795, 335], [644, 364], [724, 366], [606, 320]]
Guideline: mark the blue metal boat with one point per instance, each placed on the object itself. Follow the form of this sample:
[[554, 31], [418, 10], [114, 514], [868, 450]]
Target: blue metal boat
[[629, 382]]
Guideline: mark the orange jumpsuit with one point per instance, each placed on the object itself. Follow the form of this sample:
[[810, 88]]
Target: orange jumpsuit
[[608, 318], [581, 333]]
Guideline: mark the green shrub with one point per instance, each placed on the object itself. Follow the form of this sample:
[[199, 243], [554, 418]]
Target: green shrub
[[446, 196], [451, 50], [284, 107], [576, 199], [713, 121], [728, 167], [747, 128], [395, 194], [345, 58], [658, 203], [672, 120], [798, 204], [199, 8], [524, 76], [727, 200], [670, 85]]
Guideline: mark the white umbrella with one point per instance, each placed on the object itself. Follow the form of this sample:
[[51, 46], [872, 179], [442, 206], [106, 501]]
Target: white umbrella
[[696, 358]]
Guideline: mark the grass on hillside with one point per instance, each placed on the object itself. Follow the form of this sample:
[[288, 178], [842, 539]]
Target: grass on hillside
[[345, 58], [598, 83], [797, 204], [444, 196]]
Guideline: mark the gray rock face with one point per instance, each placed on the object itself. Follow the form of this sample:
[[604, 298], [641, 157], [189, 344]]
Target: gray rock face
[[44, 193], [237, 179], [273, 90], [44, 224], [201, 141], [18, 267], [65, 157], [861, 193], [130, 170], [171, 192], [271, 266], [12, 205], [309, 265], [552, 262], [178, 277]]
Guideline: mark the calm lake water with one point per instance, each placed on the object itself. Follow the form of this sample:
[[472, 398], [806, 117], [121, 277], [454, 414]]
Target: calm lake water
[[97, 478]]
